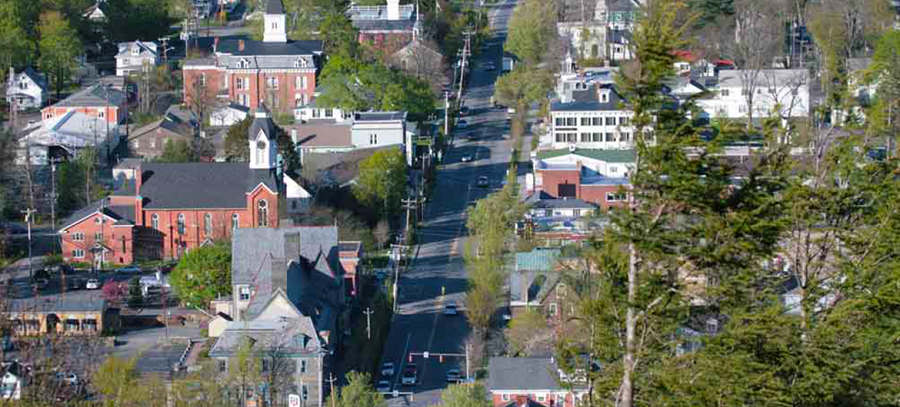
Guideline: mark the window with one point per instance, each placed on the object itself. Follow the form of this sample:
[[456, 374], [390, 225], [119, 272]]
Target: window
[[560, 137], [304, 392], [624, 121], [303, 366], [316, 114], [78, 237], [266, 365], [505, 397], [585, 137], [742, 108], [613, 169], [262, 213], [202, 79], [304, 83], [180, 224], [329, 112], [235, 221], [222, 365], [244, 293], [98, 237], [271, 83], [207, 224], [794, 92], [239, 83], [135, 51], [745, 92], [154, 221], [559, 121], [576, 212], [403, 64], [78, 253], [585, 121], [596, 137], [596, 121], [543, 396], [610, 121], [373, 139], [274, 25], [552, 309], [723, 92], [261, 152], [570, 121], [614, 197], [561, 289], [101, 114], [609, 137], [243, 63], [23, 85], [626, 137], [152, 143]]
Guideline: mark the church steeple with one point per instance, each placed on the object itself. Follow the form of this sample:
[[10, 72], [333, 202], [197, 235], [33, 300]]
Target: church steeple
[[275, 22], [262, 139]]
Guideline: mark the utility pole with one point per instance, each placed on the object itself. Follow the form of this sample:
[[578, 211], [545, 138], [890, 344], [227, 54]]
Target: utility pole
[[368, 313], [53, 196], [165, 43], [331, 381], [447, 114], [466, 51], [29, 218]]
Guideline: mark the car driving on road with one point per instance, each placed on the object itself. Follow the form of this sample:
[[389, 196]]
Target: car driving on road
[[462, 124], [453, 376], [409, 375], [466, 158], [387, 369], [463, 111], [483, 181], [450, 309], [383, 386]]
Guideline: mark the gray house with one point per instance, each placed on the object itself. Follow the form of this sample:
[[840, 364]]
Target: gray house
[[27, 89], [288, 294], [381, 129]]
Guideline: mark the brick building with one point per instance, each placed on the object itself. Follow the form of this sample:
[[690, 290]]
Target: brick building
[[98, 101], [533, 382], [170, 208], [594, 176], [388, 28], [279, 72]]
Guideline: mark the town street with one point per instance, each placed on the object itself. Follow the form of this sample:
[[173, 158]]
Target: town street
[[420, 325]]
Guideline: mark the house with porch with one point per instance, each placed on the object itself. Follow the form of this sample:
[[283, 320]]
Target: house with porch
[[56, 314], [26, 89]]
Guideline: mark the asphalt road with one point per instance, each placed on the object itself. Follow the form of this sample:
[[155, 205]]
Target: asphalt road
[[420, 325]]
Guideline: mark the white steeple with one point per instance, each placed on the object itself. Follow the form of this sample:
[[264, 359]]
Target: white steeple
[[263, 146], [275, 22]]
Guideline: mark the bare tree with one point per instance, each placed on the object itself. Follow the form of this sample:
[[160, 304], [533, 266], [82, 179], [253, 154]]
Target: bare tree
[[758, 35], [382, 233], [420, 59]]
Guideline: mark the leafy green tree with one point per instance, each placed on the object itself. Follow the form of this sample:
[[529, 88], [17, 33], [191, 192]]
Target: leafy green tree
[[339, 36], [127, 20], [531, 31], [16, 47], [464, 395], [59, 47], [236, 145], [120, 383], [177, 151], [203, 274], [886, 73], [382, 182], [135, 294], [358, 392]]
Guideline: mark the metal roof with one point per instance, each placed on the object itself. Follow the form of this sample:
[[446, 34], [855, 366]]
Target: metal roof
[[95, 95]]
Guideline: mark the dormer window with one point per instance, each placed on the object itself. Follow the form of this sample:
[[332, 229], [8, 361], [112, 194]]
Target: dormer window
[[135, 50], [243, 63]]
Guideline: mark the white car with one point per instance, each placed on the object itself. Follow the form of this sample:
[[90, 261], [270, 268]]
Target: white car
[[383, 386], [387, 369], [92, 284], [450, 309], [453, 376]]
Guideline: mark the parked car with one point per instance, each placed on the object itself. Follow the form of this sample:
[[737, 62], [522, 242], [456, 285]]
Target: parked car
[[128, 270], [483, 181], [387, 369], [410, 375], [462, 124], [453, 376], [466, 158], [383, 386], [464, 111], [450, 309], [61, 268], [92, 284]]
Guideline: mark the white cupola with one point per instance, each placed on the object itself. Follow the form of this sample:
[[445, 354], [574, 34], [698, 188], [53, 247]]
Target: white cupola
[[275, 22], [262, 139]]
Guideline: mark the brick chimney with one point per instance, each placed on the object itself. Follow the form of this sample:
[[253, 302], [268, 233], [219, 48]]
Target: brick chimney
[[138, 199], [240, 45]]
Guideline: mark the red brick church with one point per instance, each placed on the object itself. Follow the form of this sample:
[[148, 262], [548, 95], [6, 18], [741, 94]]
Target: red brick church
[[170, 208]]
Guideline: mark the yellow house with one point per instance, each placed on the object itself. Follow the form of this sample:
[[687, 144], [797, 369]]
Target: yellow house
[[61, 316]]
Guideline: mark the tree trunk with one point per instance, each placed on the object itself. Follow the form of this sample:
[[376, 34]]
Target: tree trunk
[[626, 389]]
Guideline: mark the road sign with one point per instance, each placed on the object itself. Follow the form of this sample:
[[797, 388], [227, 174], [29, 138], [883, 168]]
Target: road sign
[[293, 400], [425, 355], [396, 393]]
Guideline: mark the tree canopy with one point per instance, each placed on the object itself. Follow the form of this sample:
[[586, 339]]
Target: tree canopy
[[382, 181], [203, 274], [358, 392], [531, 31], [59, 47]]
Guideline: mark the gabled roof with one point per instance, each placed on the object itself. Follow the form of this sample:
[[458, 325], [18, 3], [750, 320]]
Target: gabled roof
[[35, 77], [589, 100], [264, 124], [610, 156], [254, 48], [94, 96], [165, 124], [274, 7], [418, 44], [202, 185], [523, 374], [121, 215]]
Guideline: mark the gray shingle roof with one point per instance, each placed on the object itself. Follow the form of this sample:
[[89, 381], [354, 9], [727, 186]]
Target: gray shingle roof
[[123, 214], [254, 48], [378, 116], [35, 77], [262, 123], [384, 25], [522, 374], [93, 96], [588, 100], [57, 304], [274, 7], [303, 261], [292, 336], [223, 185]]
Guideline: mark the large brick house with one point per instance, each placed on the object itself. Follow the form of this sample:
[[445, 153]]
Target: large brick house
[[514, 382], [387, 28], [594, 176], [170, 208], [280, 72]]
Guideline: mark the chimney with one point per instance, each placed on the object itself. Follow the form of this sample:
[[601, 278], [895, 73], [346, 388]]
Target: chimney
[[138, 199], [240, 45], [393, 9]]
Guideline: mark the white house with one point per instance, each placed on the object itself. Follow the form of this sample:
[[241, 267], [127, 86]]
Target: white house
[[134, 56], [596, 118], [228, 115], [27, 89], [782, 92], [95, 13], [602, 33]]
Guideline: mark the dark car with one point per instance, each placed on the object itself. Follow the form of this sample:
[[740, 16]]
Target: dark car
[[410, 374], [61, 268], [463, 111], [483, 182]]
